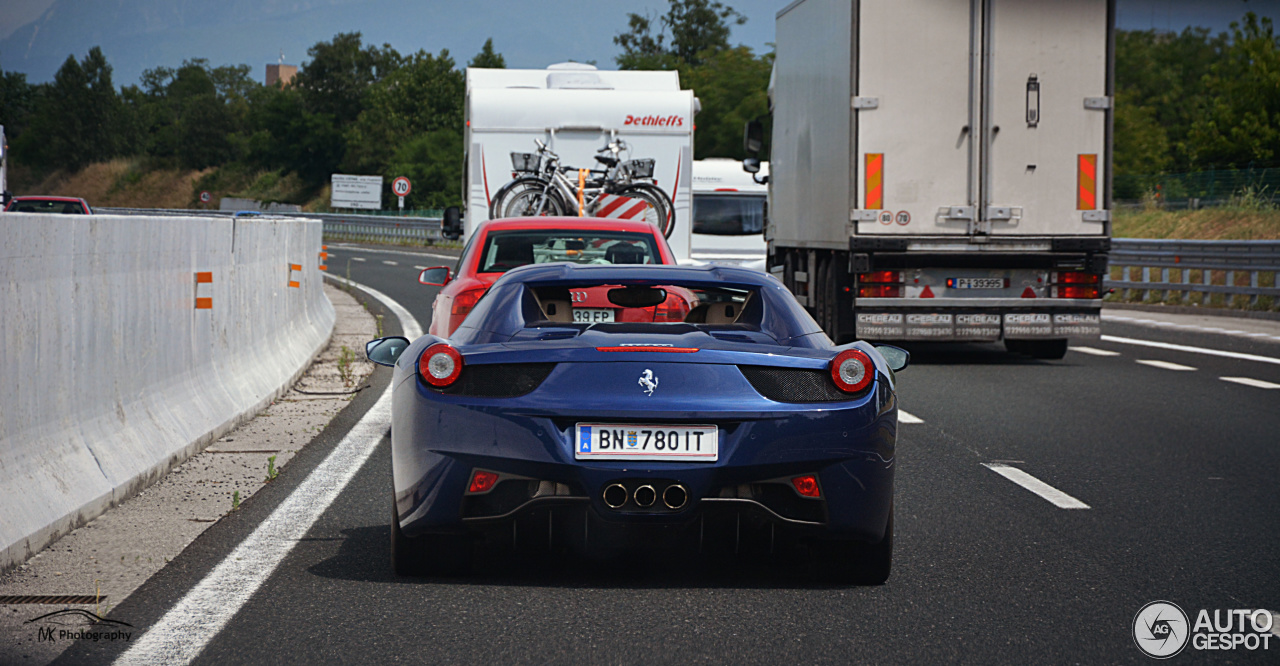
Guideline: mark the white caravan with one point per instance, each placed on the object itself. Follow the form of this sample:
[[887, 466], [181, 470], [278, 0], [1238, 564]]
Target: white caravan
[[577, 110], [728, 213]]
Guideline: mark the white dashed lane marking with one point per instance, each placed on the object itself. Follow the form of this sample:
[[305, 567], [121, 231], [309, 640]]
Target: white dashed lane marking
[[391, 263], [1095, 352], [421, 268], [1165, 365], [1044, 490], [1193, 350], [357, 258], [907, 417], [1247, 381]]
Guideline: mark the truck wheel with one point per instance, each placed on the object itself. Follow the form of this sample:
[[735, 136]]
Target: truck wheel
[[427, 555], [1046, 349], [854, 562]]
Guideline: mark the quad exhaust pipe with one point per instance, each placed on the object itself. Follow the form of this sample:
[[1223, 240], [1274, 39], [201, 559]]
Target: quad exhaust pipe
[[674, 496], [615, 496]]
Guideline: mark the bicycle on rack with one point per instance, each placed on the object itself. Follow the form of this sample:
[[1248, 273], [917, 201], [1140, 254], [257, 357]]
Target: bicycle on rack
[[624, 188]]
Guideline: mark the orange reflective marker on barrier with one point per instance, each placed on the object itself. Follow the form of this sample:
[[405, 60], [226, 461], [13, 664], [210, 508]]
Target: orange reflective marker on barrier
[[323, 256], [292, 282], [203, 303]]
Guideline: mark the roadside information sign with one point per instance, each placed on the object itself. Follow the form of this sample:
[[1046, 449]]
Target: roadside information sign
[[363, 192]]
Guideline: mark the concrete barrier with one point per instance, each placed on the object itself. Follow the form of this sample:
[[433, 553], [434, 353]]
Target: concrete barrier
[[115, 368]]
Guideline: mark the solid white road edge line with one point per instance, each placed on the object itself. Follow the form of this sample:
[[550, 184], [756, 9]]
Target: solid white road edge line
[[1048, 492], [1165, 365], [187, 628], [1249, 381], [907, 417], [1094, 352], [1193, 350]]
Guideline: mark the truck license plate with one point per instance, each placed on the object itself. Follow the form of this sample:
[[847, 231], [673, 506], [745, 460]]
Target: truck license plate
[[976, 283]]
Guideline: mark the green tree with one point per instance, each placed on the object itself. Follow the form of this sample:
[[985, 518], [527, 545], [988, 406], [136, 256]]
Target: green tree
[[288, 137], [424, 94], [1239, 121], [732, 85], [77, 120], [487, 57], [17, 103], [339, 74], [690, 32], [433, 163]]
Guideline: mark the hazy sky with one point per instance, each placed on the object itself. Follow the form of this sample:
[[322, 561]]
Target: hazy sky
[[569, 33]]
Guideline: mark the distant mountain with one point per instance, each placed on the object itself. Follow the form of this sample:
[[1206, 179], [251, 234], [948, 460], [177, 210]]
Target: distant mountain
[[140, 34]]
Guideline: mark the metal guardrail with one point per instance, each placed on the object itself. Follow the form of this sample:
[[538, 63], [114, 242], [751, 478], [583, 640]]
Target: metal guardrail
[[337, 226], [1185, 267]]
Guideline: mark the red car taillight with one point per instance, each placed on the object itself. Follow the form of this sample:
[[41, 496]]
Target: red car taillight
[[879, 284], [1074, 284], [482, 481], [852, 371], [440, 365], [807, 485], [466, 301], [673, 309]]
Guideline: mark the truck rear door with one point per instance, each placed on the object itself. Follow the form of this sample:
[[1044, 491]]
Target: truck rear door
[[1046, 118], [912, 118]]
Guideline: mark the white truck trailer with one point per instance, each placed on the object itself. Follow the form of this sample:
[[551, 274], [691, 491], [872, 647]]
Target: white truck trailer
[[728, 213], [577, 110], [942, 168]]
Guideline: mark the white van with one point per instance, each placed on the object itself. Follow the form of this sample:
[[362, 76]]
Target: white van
[[577, 110], [728, 213]]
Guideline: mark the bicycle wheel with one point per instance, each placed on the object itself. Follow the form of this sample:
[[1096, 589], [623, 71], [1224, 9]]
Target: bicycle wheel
[[533, 202], [660, 213], [498, 206]]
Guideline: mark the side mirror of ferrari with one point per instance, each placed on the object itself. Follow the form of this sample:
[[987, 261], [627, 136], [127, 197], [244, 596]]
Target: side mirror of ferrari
[[385, 351], [898, 359], [451, 225]]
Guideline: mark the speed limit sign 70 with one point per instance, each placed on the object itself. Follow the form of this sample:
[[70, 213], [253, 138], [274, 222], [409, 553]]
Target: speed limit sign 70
[[401, 186]]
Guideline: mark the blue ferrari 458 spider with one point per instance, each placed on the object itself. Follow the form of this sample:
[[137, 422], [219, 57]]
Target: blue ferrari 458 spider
[[736, 426]]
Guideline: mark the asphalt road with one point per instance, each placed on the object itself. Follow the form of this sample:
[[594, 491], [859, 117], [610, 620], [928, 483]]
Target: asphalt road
[[1177, 466]]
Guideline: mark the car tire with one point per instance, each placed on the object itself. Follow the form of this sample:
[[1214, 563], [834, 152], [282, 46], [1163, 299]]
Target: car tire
[[427, 555], [856, 562], [1046, 349]]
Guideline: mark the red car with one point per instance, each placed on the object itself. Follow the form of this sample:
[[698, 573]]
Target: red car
[[500, 245], [44, 204]]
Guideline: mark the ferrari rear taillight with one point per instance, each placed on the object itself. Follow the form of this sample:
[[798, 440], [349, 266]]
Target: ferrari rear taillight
[[440, 365], [880, 284], [466, 301], [852, 371], [1074, 284], [807, 485]]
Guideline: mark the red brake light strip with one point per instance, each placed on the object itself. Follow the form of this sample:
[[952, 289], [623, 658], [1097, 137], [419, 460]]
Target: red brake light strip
[[642, 348]]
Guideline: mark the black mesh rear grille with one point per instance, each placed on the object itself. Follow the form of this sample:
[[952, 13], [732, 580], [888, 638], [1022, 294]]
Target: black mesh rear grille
[[502, 380], [793, 384]]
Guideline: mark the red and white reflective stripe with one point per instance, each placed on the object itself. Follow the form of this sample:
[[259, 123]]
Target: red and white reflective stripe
[[619, 207]]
